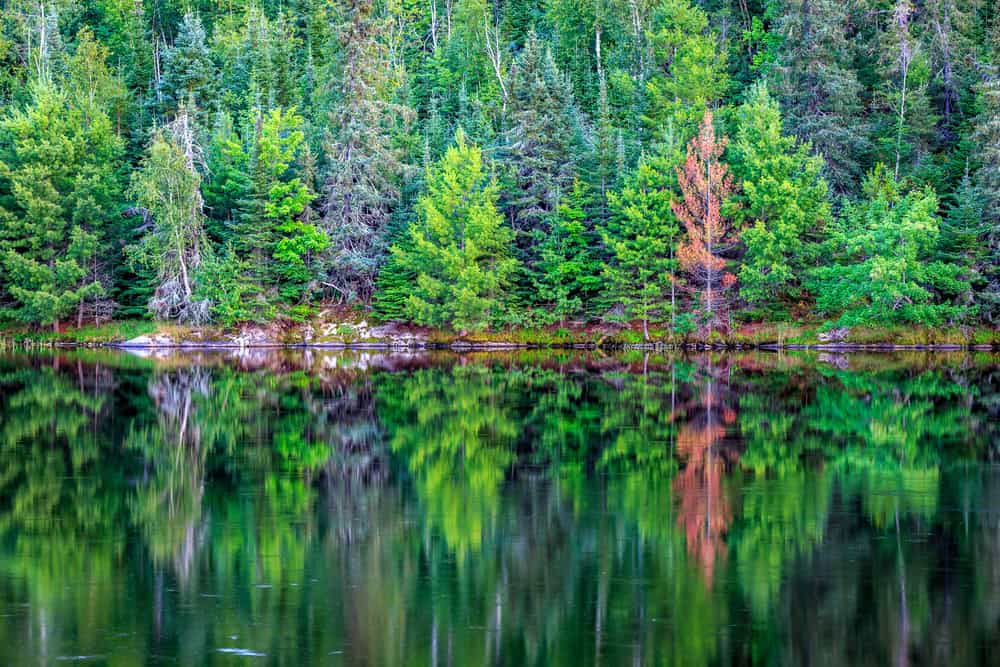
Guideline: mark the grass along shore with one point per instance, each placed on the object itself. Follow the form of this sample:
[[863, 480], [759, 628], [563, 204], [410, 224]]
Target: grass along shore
[[359, 332]]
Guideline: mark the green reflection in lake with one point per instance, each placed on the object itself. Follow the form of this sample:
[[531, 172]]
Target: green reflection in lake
[[525, 509]]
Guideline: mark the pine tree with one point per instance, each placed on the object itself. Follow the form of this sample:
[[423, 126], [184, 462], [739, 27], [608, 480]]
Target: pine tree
[[705, 184], [296, 242], [460, 248], [59, 190], [783, 204], [818, 89], [641, 234], [189, 75], [569, 270], [362, 183]]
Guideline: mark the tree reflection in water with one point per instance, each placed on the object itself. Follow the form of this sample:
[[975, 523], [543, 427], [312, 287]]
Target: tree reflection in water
[[536, 508]]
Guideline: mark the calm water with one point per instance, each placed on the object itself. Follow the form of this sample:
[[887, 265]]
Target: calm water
[[523, 509]]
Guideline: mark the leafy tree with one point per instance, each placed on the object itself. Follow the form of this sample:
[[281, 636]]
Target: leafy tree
[[883, 271], [783, 203], [59, 191], [168, 187], [705, 184], [569, 271], [460, 247], [641, 234]]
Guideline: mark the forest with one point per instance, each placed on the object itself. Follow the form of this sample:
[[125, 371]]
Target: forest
[[478, 165]]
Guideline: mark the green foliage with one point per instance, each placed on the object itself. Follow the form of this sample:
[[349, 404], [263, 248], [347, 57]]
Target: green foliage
[[189, 76], [691, 68], [460, 247], [641, 235], [783, 205], [59, 185], [569, 270], [883, 271]]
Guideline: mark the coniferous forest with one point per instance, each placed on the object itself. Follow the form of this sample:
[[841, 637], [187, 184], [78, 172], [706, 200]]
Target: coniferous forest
[[475, 165]]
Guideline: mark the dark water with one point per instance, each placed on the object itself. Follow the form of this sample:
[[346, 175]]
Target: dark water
[[525, 509]]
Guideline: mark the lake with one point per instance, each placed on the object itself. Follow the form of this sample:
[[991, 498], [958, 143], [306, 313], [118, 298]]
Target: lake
[[528, 508]]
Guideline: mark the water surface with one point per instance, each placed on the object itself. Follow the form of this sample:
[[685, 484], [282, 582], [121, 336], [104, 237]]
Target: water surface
[[547, 508]]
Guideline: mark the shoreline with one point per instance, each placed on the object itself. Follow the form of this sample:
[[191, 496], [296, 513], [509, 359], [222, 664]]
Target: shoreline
[[138, 335], [479, 346]]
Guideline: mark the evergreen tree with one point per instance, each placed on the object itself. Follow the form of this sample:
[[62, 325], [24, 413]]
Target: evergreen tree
[[297, 242], [189, 75], [783, 204], [690, 67], [819, 90], [460, 248], [883, 271], [539, 151], [705, 185], [908, 122], [963, 238], [987, 138], [59, 191], [641, 234], [569, 270], [362, 182]]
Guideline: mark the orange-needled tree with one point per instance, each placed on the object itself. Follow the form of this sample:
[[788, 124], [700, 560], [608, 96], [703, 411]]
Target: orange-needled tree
[[705, 184]]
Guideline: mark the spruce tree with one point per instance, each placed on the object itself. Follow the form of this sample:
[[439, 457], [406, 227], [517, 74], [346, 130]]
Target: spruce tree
[[986, 136], [819, 90], [362, 184], [541, 151], [569, 268], [189, 75]]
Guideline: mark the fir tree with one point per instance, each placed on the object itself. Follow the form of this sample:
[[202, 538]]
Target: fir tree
[[819, 90], [362, 183], [189, 75], [540, 151], [987, 138]]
